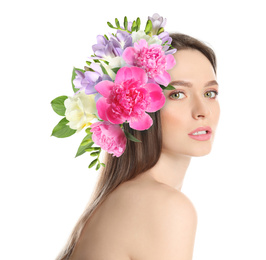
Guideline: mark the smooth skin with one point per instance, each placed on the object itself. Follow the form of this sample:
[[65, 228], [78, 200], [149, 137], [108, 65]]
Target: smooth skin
[[149, 218]]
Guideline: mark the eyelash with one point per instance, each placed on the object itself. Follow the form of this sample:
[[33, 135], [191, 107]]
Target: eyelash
[[177, 92]]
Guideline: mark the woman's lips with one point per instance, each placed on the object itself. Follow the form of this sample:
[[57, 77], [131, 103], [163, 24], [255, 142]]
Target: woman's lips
[[203, 128], [200, 136]]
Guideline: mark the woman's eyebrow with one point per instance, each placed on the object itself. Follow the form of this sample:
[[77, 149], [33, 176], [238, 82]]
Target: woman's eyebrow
[[189, 85]]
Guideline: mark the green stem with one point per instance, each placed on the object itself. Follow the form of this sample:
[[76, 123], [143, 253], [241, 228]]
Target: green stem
[[125, 30]]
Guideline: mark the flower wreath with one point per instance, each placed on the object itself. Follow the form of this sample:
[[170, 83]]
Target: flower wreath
[[124, 79]]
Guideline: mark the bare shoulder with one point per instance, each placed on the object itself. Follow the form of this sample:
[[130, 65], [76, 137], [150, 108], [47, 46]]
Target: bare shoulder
[[180, 205], [159, 197], [167, 222], [173, 226], [174, 210]]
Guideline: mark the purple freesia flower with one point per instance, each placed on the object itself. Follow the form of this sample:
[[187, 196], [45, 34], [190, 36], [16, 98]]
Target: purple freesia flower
[[87, 80], [104, 48], [164, 36], [157, 22], [121, 41]]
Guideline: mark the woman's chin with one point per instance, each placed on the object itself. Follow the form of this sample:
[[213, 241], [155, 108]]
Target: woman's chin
[[201, 152]]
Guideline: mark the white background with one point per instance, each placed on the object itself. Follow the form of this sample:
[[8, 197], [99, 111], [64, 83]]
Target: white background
[[44, 189]]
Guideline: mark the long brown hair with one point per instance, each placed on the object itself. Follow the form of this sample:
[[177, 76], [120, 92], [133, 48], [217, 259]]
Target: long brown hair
[[137, 158]]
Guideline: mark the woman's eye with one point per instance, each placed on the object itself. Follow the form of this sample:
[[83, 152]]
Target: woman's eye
[[176, 95], [210, 95], [180, 95]]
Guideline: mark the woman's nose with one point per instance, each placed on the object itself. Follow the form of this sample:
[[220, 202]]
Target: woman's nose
[[200, 109]]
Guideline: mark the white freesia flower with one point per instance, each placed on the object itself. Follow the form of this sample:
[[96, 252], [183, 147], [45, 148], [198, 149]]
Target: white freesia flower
[[136, 36], [80, 110], [117, 62]]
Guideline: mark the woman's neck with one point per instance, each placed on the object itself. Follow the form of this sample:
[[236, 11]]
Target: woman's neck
[[170, 170]]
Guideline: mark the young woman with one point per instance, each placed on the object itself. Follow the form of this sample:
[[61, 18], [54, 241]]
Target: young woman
[[138, 211]]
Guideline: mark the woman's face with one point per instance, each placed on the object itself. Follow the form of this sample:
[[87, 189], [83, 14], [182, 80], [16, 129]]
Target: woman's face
[[190, 107]]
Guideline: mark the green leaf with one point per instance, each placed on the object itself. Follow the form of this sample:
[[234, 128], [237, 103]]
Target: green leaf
[[85, 142], [91, 149], [88, 69], [93, 163], [95, 154], [96, 61], [73, 77], [169, 87], [110, 25], [58, 105], [117, 23], [88, 130], [82, 148], [138, 24], [148, 27], [102, 164], [88, 62], [62, 130], [134, 26], [160, 30], [166, 43], [131, 137], [103, 69], [125, 23], [116, 69], [106, 62], [98, 167]]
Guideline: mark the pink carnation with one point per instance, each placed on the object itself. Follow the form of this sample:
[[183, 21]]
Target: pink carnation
[[109, 137], [152, 59], [129, 98]]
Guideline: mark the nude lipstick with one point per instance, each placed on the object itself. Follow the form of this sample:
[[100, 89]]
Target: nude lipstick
[[201, 133]]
